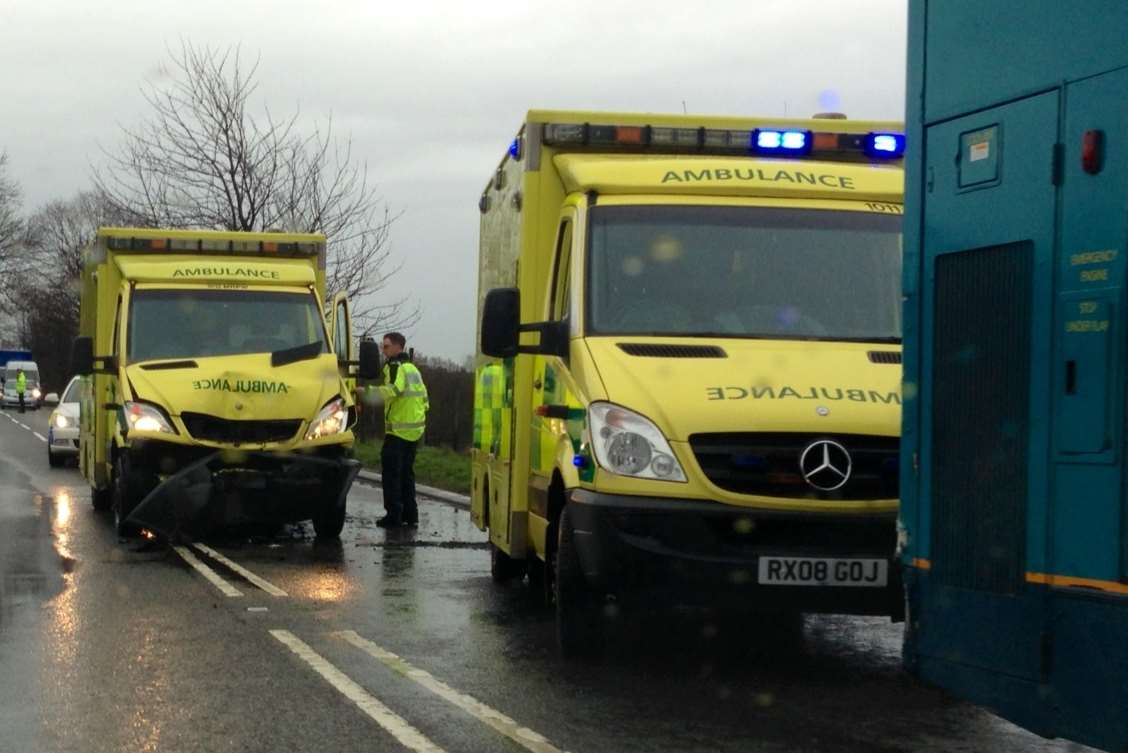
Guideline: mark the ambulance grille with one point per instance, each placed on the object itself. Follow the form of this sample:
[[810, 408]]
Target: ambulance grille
[[216, 429], [672, 351], [768, 464], [885, 356]]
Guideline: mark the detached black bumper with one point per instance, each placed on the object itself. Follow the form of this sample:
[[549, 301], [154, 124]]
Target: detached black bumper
[[705, 553], [224, 488]]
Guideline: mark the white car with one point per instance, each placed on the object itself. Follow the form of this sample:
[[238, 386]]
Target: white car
[[33, 397], [62, 427]]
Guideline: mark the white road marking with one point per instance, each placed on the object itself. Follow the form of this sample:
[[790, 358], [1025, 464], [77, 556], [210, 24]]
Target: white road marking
[[24, 426], [211, 575], [396, 725], [523, 736], [262, 583], [39, 436]]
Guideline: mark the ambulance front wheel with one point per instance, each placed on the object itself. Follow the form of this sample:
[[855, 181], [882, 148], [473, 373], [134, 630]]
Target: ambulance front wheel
[[123, 501], [329, 522], [102, 499], [504, 568], [579, 628]]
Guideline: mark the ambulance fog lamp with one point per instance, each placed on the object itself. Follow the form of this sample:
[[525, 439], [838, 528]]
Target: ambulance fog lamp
[[629, 444], [885, 145], [145, 417], [332, 419]]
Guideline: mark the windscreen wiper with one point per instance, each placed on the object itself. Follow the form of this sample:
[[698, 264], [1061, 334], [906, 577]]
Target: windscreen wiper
[[293, 355]]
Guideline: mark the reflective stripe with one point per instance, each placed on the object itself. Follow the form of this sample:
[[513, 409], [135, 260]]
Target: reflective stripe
[[416, 425], [413, 393]]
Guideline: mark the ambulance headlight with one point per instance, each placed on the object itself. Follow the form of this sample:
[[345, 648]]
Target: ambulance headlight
[[60, 421], [35, 393], [629, 444], [145, 417], [332, 419]]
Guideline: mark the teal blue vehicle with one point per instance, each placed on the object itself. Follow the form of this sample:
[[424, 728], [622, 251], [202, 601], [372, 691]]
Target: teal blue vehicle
[[1014, 517]]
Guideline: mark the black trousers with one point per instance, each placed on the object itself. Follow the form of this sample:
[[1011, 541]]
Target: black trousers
[[397, 469], [21, 402]]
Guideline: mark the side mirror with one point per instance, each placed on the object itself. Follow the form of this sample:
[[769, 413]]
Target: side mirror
[[501, 322], [369, 359], [51, 398], [82, 356]]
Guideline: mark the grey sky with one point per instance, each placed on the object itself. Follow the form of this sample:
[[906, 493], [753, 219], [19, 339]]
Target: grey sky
[[432, 92]]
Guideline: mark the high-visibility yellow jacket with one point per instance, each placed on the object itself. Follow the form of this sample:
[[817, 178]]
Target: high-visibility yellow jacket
[[405, 400], [21, 383]]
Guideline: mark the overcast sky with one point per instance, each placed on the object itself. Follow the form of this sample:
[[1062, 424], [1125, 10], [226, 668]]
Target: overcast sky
[[432, 91]]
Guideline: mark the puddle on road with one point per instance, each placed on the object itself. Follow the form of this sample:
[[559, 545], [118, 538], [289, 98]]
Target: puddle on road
[[35, 557]]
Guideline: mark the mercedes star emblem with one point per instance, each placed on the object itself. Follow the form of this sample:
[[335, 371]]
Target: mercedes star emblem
[[825, 465]]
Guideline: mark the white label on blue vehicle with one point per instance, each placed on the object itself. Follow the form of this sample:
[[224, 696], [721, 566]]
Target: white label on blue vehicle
[[823, 571]]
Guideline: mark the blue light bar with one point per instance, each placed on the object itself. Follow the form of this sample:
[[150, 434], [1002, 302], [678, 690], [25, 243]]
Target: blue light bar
[[770, 141], [885, 145], [515, 148]]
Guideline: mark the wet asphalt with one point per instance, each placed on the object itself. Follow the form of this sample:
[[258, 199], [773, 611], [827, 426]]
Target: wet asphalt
[[391, 641]]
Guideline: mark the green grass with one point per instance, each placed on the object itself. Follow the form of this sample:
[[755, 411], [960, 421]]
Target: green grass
[[434, 466]]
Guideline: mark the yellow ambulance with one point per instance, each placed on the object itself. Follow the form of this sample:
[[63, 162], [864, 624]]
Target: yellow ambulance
[[218, 380], [688, 377]]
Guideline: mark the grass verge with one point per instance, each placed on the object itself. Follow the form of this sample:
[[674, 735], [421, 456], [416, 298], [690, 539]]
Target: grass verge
[[434, 466]]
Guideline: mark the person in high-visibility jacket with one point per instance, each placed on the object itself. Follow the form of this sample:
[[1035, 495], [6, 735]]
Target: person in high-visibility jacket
[[405, 418], [21, 387]]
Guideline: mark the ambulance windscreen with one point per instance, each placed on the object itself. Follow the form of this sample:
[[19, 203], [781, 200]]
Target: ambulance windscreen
[[194, 323], [728, 271]]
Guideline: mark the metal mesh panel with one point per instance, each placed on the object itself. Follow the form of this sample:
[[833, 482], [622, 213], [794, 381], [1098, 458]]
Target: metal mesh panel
[[980, 410]]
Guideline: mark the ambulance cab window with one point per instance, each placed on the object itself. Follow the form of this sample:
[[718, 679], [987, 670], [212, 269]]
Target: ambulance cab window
[[728, 271], [341, 336], [561, 275]]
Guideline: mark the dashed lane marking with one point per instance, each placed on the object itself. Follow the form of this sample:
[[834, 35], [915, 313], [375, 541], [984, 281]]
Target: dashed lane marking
[[262, 583], [211, 575], [39, 436], [397, 726], [523, 736]]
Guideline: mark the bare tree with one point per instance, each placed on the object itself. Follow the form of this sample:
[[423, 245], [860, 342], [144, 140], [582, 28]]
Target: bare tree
[[45, 278], [11, 224], [205, 160]]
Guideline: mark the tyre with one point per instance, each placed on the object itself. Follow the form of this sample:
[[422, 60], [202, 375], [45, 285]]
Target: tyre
[[53, 460], [329, 522], [540, 592], [579, 623], [504, 568], [129, 486], [102, 499]]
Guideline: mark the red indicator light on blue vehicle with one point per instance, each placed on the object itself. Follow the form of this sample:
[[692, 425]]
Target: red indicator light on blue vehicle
[[885, 145], [1092, 144]]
